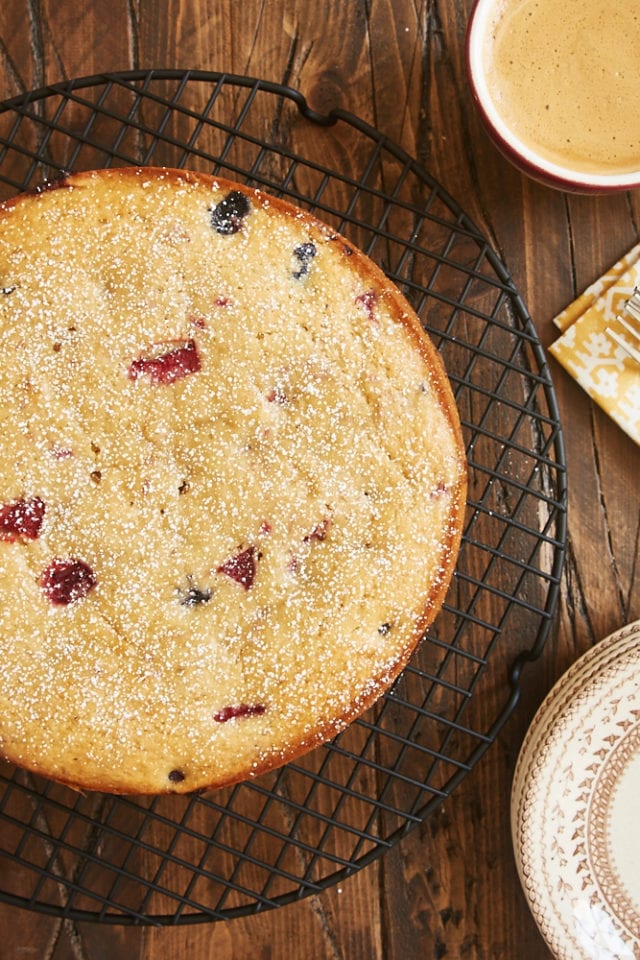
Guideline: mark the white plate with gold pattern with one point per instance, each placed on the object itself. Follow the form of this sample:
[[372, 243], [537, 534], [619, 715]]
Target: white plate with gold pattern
[[575, 806]]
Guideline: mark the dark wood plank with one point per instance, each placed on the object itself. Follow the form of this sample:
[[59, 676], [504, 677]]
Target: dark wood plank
[[80, 40]]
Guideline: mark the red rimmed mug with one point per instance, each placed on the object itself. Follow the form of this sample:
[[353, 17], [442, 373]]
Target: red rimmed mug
[[580, 174]]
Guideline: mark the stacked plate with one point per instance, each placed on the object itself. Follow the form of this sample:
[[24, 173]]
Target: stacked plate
[[575, 808]]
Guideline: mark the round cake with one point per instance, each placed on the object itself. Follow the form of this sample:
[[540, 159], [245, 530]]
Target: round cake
[[232, 481]]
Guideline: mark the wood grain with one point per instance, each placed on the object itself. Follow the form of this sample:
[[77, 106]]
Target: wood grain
[[449, 889]]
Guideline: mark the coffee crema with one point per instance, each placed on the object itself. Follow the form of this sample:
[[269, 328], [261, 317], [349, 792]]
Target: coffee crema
[[565, 79]]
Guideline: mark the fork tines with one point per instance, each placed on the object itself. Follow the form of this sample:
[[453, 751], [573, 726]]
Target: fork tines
[[627, 333]]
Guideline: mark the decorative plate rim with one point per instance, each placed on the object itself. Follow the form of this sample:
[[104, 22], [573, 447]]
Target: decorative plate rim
[[582, 745]]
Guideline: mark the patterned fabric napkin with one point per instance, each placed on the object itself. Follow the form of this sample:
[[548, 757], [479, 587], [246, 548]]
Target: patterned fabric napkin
[[599, 365]]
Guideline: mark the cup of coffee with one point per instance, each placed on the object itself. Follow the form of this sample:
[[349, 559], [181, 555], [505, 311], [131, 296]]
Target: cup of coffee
[[557, 84]]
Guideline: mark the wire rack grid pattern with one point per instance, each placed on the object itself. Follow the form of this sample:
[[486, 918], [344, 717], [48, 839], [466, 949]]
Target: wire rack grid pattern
[[266, 842]]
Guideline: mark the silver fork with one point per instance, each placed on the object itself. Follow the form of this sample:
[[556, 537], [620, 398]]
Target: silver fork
[[627, 335]]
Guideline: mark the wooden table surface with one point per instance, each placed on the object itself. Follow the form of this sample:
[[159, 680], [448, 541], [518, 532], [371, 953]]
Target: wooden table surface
[[448, 889]]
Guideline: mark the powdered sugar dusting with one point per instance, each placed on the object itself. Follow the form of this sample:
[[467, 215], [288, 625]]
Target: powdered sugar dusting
[[270, 526]]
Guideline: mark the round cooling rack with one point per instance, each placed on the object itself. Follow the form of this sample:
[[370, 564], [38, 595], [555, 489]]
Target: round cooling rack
[[280, 837]]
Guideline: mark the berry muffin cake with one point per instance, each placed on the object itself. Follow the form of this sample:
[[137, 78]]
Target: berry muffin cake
[[231, 481]]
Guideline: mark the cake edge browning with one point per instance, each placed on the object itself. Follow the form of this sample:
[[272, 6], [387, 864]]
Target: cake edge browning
[[434, 598]]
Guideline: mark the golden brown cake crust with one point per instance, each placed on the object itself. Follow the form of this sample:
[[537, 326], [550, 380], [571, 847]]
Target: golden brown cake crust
[[232, 481]]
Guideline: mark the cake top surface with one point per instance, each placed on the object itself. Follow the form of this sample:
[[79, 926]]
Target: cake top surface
[[231, 477]]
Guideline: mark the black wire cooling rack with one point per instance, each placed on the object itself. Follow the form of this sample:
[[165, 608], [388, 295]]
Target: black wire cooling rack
[[278, 838]]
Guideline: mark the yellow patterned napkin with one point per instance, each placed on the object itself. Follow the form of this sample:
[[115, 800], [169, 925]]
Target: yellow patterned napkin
[[599, 365]]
